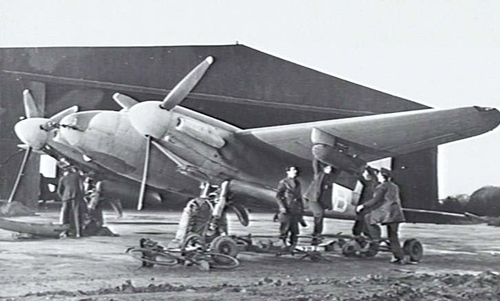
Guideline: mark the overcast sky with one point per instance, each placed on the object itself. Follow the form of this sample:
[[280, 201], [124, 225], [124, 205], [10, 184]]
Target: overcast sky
[[440, 53]]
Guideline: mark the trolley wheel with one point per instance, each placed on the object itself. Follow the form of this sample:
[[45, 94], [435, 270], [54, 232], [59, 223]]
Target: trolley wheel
[[351, 248], [413, 248], [222, 261], [194, 240], [373, 248], [224, 245], [153, 257]]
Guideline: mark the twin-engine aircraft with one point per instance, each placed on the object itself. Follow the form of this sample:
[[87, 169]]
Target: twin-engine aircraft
[[167, 147]]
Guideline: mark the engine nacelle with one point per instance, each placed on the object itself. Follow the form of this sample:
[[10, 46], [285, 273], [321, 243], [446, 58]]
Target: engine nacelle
[[329, 150], [200, 131]]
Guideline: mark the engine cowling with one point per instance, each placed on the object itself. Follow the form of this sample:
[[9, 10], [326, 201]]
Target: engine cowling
[[327, 149]]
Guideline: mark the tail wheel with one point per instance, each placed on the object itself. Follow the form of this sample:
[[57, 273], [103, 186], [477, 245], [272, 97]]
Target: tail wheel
[[351, 248], [224, 245], [413, 248], [194, 240]]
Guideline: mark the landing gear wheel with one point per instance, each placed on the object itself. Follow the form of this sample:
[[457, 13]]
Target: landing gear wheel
[[373, 248], [194, 240], [351, 248], [413, 248]]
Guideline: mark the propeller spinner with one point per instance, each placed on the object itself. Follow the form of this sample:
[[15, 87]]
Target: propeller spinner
[[34, 131]]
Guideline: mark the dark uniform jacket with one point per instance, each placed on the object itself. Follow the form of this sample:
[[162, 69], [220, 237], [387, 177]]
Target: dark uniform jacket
[[69, 187], [289, 196], [385, 205], [320, 189], [366, 195]]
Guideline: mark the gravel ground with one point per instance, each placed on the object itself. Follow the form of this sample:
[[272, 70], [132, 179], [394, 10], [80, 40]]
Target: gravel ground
[[460, 263]]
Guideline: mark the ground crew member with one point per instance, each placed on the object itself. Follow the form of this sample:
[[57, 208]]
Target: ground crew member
[[95, 203], [319, 196], [195, 217], [73, 205], [370, 182], [291, 208], [385, 208]]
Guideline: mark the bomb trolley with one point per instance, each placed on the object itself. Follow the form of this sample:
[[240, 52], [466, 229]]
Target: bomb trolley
[[349, 246]]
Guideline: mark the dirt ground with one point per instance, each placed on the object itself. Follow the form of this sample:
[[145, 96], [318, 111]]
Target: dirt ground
[[460, 263]]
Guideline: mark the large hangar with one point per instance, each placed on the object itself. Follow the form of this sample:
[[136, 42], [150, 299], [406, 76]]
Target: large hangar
[[245, 87]]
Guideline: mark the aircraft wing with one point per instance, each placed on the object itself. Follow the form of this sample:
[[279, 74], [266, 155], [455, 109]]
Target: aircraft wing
[[373, 137]]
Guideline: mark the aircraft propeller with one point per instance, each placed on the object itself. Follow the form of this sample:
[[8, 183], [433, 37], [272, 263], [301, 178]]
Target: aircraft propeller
[[149, 118], [34, 132], [142, 191], [125, 101], [186, 85]]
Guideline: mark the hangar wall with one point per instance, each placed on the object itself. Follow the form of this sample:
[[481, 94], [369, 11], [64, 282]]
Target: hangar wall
[[245, 87]]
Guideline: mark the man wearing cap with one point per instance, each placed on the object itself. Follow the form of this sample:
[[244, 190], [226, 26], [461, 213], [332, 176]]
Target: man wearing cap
[[370, 182], [289, 199], [385, 208], [319, 196]]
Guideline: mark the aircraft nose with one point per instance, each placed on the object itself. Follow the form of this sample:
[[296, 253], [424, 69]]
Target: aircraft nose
[[29, 131]]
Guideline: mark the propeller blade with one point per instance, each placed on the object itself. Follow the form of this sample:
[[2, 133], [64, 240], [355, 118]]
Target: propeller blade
[[19, 174], [54, 120], [30, 107], [184, 87], [142, 192], [124, 101]]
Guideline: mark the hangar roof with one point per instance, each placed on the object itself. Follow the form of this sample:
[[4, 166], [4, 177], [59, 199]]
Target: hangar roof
[[240, 75]]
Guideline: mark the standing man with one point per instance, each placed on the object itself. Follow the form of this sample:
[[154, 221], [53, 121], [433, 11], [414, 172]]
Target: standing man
[[370, 182], [385, 208], [319, 196], [73, 204], [289, 198]]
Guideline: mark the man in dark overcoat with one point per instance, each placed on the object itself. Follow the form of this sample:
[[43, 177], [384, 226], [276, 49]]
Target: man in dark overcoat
[[73, 204], [385, 208], [370, 182]]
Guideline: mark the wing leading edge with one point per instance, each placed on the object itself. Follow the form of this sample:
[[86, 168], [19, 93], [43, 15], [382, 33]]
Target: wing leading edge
[[374, 137]]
